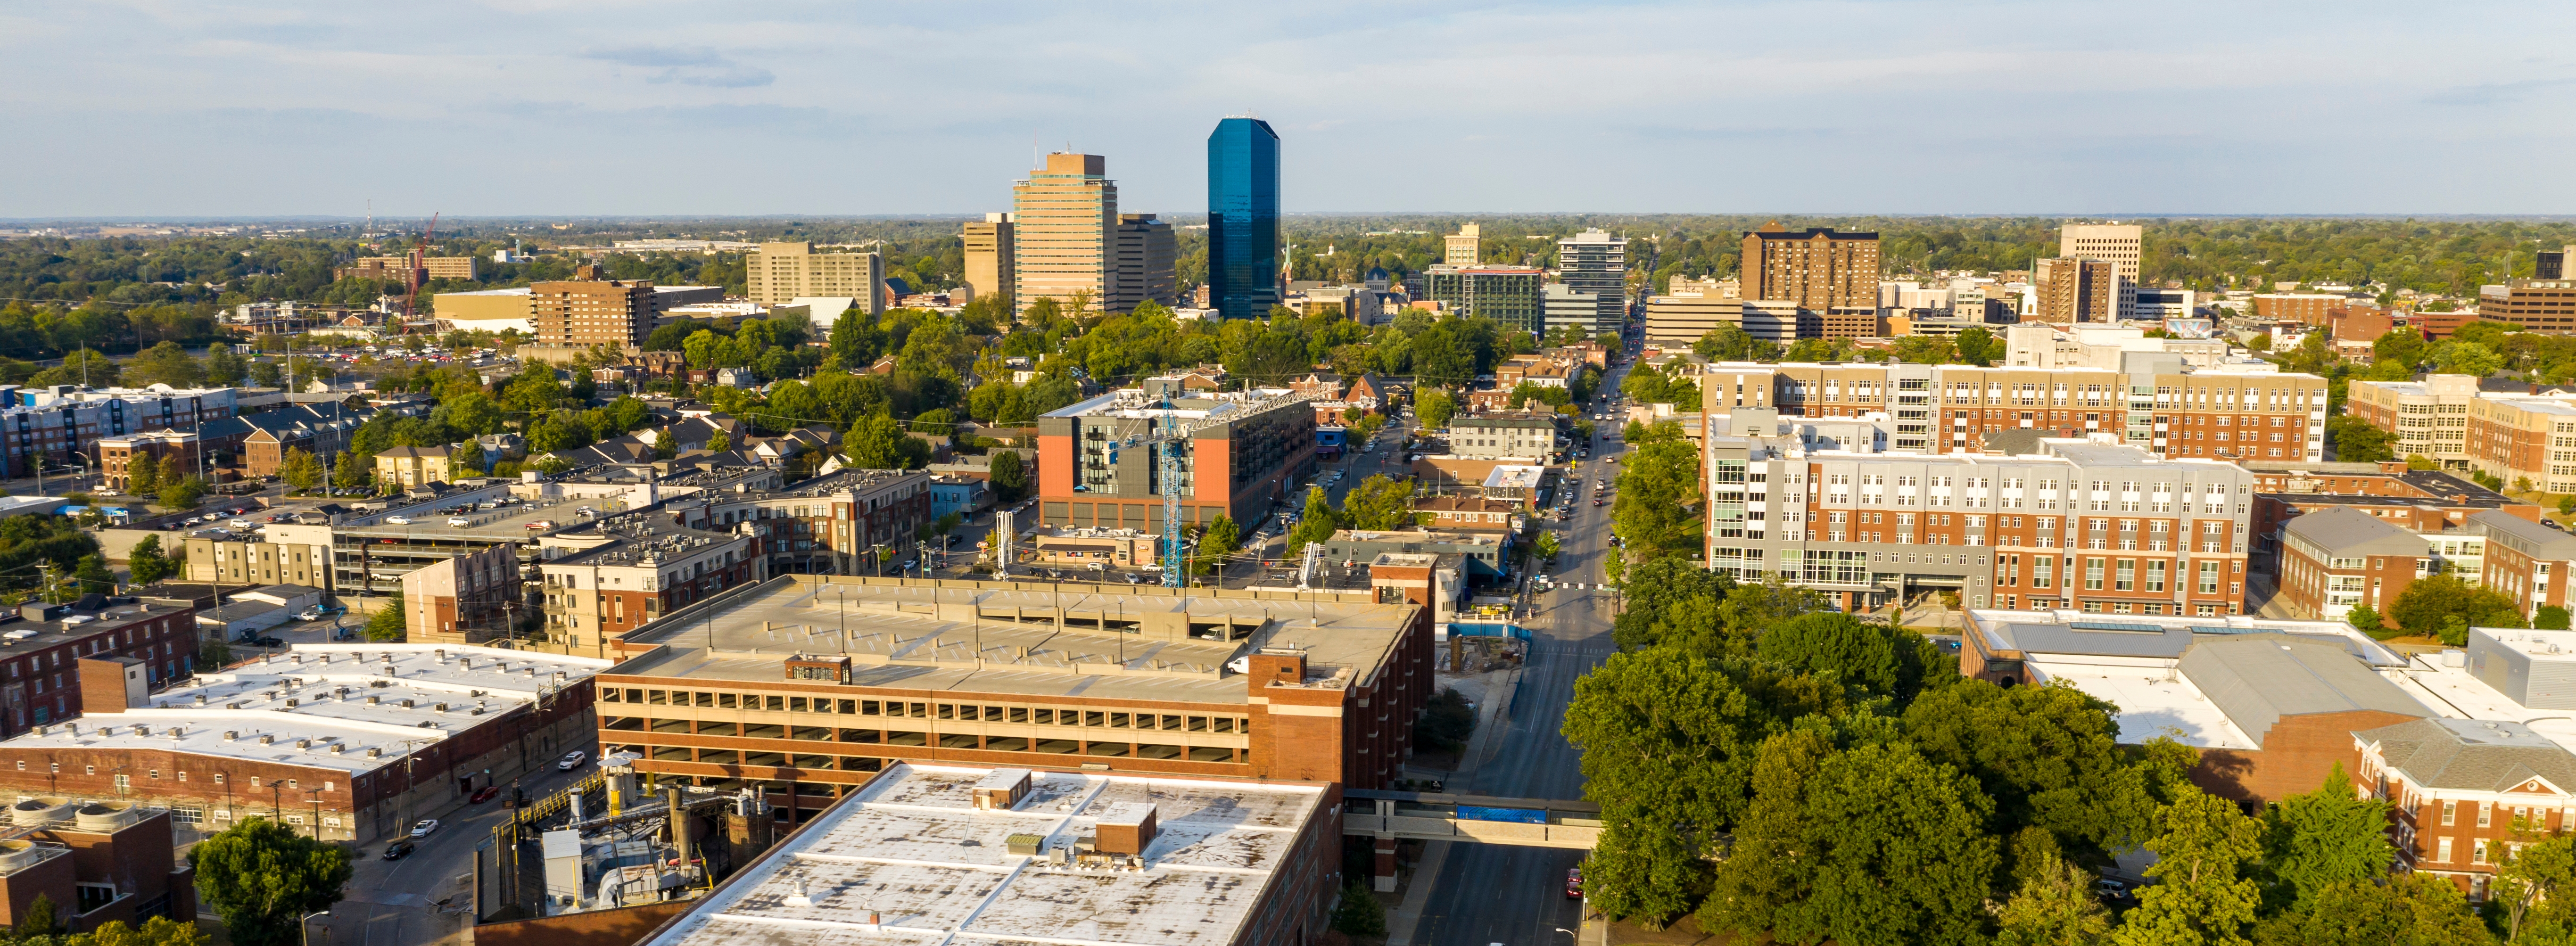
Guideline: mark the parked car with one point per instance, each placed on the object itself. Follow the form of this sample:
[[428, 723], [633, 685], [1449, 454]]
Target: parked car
[[542, 524], [397, 520], [1574, 884], [269, 642], [571, 760], [399, 849], [424, 828], [483, 794], [459, 522]]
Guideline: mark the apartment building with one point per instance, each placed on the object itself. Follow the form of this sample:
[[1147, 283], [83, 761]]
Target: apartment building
[[408, 467], [1501, 437], [2420, 501], [1596, 264], [397, 267], [2546, 306], [583, 312], [2457, 787], [1512, 295], [61, 426], [2522, 438], [63, 660], [2123, 246], [2338, 559], [782, 272], [811, 684], [1464, 248], [2430, 418], [1145, 254], [2307, 308], [1818, 268], [2154, 402], [472, 598], [2045, 345], [2085, 526], [1239, 451], [989, 252], [2525, 561], [287, 554], [603, 582], [322, 430], [1690, 308], [848, 522], [2074, 290], [1063, 217], [117, 455]]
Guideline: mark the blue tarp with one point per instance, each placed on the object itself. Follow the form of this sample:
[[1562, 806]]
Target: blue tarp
[[1490, 630], [1516, 815]]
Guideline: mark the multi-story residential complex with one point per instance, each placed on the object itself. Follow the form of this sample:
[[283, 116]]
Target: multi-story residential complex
[[2075, 290], [989, 252], [848, 522], [1819, 269], [1062, 219], [368, 737], [1568, 309], [63, 660], [1243, 269], [2430, 418], [117, 455], [2153, 402], [2458, 787], [394, 267], [2046, 345], [2547, 306], [470, 599], [811, 684], [1501, 437], [2078, 525], [287, 554], [2304, 307], [2335, 560], [1511, 295], [779, 273], [1464, 248], [1145, 251], [585, 312], [408, 467], [1238, 452], [322, 430], [604, 582], [1690, 308], [2120, 244], [60, 427], [2525, 561], [2420, 501], [1595, 263]]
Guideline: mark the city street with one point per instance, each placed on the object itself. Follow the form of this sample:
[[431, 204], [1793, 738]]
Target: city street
[[396, 903]]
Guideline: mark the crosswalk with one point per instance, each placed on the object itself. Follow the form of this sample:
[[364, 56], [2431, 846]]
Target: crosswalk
[[1578, 586]]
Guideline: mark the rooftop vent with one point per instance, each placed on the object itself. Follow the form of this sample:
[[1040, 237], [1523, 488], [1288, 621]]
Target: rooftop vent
[[303, 743], [375, 752], [267, 739], [373, 699], [42, 809], [406, 704], [339, 747], [231, 734]]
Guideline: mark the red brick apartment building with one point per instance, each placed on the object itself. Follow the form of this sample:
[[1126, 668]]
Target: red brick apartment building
[[2414, 500], [2458, 786], [57, 660], [2525, 561], [1245, 451], [812, 684], [2339, 559], [2215, 414]]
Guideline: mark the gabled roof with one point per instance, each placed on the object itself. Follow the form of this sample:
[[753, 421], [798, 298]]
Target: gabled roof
[[2347, 532], [2474, 755], [2525, 536], [2256, 679]]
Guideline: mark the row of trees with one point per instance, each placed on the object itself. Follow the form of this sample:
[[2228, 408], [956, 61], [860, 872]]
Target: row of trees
[[1773, 770]]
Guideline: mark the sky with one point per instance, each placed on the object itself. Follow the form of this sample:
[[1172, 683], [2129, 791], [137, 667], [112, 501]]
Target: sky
[[207, 108]]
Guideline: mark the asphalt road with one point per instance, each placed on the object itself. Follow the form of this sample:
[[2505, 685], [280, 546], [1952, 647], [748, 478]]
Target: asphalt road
[[394, 903], [1516, 895]]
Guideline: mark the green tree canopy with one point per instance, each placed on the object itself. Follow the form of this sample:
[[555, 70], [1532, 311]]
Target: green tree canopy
[[262, 878]]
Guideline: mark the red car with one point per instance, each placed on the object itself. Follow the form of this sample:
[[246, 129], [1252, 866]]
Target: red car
[[483, 794], [1574, 884]]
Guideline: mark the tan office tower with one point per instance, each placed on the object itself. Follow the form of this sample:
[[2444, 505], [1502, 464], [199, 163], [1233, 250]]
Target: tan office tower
[[2120, 243], [988, 257], [1145, 251], [2076, 290], [1818, 269], [1062, 218], [1463, 248], [781, 272], [592, 311]]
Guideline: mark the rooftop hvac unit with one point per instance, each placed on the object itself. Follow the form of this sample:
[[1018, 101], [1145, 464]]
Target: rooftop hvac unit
[[406, 704], [267, 739]]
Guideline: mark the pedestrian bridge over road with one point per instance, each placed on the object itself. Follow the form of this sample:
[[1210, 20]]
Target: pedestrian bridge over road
[[1476, 819]]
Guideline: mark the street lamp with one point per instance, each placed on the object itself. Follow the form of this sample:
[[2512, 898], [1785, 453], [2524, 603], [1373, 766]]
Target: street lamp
[[307, 931]]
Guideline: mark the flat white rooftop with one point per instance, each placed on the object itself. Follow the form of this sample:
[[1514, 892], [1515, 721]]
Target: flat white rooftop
[[2149, 701], [911, 849]]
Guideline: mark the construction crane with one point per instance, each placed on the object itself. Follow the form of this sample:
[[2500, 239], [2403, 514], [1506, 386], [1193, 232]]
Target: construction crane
[[412, 274], [1170, 442]]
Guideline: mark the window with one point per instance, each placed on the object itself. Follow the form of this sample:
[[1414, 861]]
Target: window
[[2450, 816]]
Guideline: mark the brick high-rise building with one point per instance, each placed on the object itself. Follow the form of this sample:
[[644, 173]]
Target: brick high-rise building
[[778, 273], [1819, 269], [988, 258], [2077, 290], [1064, 217], [2120, 244], [584, 312]]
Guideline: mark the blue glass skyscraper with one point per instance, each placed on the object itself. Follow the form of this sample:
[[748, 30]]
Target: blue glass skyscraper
[[1243, 218]]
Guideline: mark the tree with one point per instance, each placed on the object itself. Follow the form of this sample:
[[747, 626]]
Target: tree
[[2201, 896], [171, 471], [183, 493], [301, 470], [1872, 845], [1978, 346], [2049, 757], [663, 448], [39, 920], [157, 931], [2433, 605], [2322, 838], [1434, 408], [2055, 906], [2400, 346], [2550, 617], [93, 575], [1547, 546], [2356, 441], [348, 473], [2567, 505], [262, 878], [387, 623], [148, 563], [1010, 476], [1359, 913], [142, 477], [2411, 909], [720, 441], [1316, 524], [2364, 618], [1446, 721], [1656, 513], [1220, 539], [1837, 647]]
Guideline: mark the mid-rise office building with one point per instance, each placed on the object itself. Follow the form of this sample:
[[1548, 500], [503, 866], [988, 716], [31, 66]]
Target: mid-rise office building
[[1239, 451], [1690, 308], [1595, 263], [782, 272], [2120, 244], [1243, 218], [2072, 290], [1819, 269], [1463, 248], [1568, 309], [2428, 418], [1063, 218], [1512, 295], [2075, 524], [2543, 305], [1145, 251], [988, 258]]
